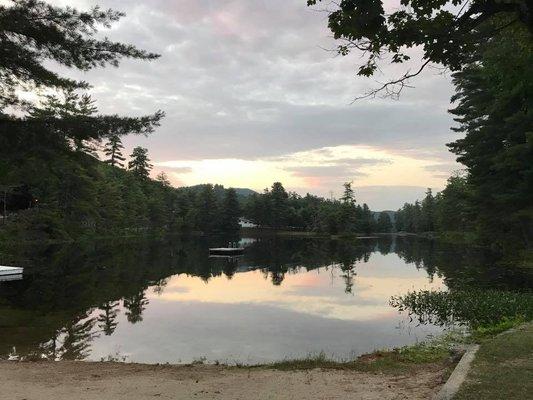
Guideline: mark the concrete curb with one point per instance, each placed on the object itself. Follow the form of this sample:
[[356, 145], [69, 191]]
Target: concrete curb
[[458, 375]]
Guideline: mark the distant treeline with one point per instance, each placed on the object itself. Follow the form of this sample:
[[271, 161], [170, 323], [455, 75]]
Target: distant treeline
[[65, 191], [276, 208]]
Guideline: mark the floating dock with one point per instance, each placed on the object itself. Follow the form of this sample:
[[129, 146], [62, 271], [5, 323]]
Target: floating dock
[[10, 273], [226, 251]]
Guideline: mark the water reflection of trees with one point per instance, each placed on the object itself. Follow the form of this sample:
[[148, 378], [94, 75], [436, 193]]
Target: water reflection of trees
[[72, 293], [108, 317], [135, 305]]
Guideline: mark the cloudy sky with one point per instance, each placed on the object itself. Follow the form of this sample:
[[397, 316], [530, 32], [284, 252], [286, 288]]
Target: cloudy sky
[[252, 96]]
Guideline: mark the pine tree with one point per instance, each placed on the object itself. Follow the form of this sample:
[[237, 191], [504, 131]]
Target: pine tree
[[139, 164], [348, 195], [162, 178], [428, 212], [494, 111], [384, 224], [230, 212], [113, 151], [206, 209], [278, 205]]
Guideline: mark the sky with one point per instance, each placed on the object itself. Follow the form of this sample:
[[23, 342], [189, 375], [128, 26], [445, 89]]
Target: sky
[[253, 94]]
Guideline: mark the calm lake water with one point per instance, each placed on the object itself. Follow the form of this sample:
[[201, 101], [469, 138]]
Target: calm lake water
[[166, 301]]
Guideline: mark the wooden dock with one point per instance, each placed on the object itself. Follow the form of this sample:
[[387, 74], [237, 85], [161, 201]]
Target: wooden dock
[[10, 273], [226, 251]]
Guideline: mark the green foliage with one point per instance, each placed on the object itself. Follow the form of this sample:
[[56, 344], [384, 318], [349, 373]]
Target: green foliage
[[277, 209], [34, 31], [396, 361], [113, 150], [447, 31], [474, 308], [139, 164], [384, 223], [494, 111], [231, 212]]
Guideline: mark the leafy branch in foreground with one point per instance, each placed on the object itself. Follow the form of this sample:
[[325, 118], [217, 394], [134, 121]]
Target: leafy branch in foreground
[[446, 31], [33, 31]]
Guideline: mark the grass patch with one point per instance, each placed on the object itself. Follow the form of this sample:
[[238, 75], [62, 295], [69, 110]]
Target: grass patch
[[397, 361], [503, 368]]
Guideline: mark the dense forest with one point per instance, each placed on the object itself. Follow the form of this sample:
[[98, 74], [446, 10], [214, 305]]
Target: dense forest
[[52, 182], [488, 47], [63, 173], [275, 208], [493, 199]]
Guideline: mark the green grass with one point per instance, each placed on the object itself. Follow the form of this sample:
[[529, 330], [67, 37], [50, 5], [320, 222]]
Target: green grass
[[397, 361], [502, 368]]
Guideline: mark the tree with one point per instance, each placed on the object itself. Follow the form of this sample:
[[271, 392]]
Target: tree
[[384, 223], [113, 150], [453, 206], [140, 163], [447, 31], [428, 212], [493, 110], [206, 209], [162, 178], [48, 145], [230, 212], [279, 205], [34, 31], [348, 195]]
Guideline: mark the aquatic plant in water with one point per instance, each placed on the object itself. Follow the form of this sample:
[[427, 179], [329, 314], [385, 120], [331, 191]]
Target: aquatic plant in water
[[472, 308]]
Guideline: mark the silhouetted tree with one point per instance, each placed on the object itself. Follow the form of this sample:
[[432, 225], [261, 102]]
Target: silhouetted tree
[[139, 164], [113, 151]]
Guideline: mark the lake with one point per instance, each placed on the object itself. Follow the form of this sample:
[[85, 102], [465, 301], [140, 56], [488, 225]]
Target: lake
[[158, 301]]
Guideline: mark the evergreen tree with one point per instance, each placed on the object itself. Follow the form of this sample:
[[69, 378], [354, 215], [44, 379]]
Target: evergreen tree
[[278, 205], [162, 178], [230, 212], [113, 151], [348, 194], [139, 164], [384, 223], [494, 111], [206, 209], [428, 212]]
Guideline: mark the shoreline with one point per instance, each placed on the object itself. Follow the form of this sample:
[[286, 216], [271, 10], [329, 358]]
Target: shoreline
[[414, 372], [65, 380]]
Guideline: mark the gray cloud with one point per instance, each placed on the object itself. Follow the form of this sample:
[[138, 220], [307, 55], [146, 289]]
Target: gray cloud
[[444, 170], [341, 169], [177, 170], [323, 171], [250, 79]]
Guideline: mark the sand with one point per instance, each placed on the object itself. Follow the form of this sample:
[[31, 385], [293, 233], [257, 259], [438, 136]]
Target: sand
[[66, 380]]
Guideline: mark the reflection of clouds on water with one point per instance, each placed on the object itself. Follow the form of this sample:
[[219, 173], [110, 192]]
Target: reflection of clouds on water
[[166, 301], [317, 292]]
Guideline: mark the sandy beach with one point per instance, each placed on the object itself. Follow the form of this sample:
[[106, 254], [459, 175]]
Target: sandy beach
[[116, 381]]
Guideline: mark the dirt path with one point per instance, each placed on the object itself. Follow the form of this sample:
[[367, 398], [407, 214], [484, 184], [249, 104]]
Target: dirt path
[[115, 381]]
